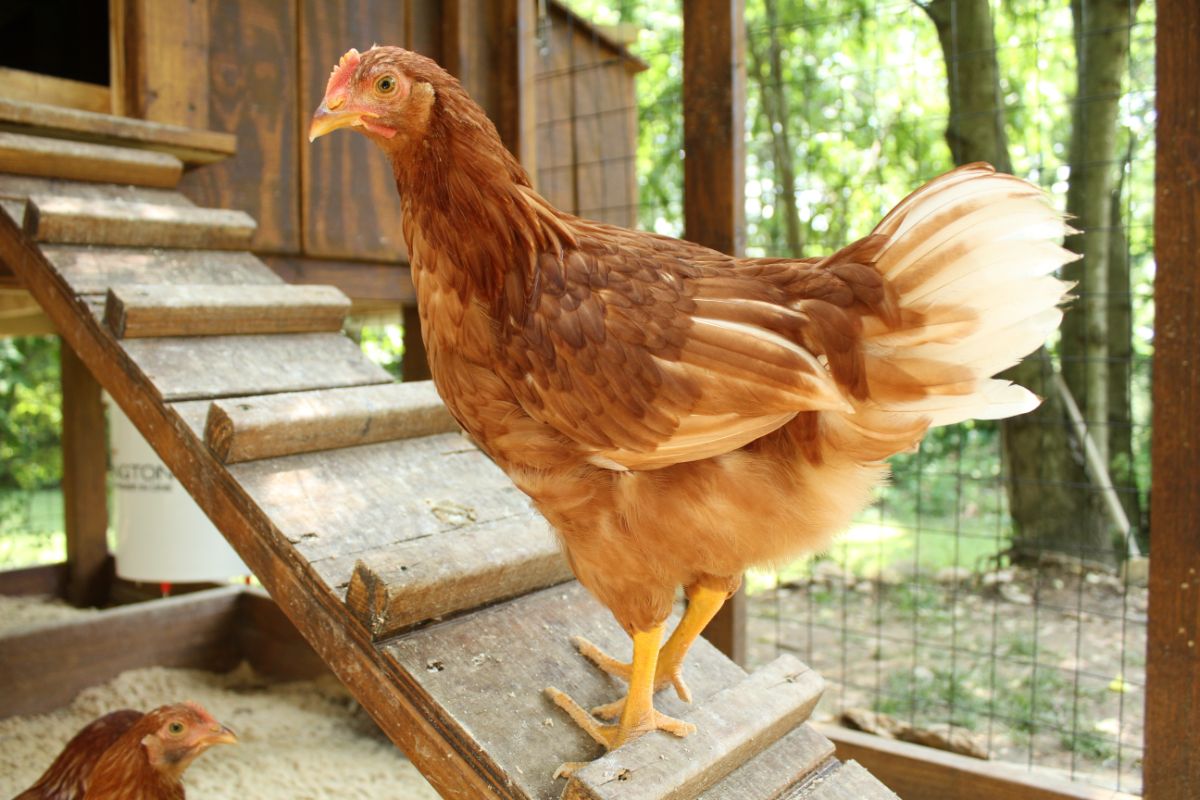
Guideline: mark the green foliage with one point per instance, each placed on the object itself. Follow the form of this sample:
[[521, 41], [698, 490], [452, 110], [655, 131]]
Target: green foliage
[[383, 344], [30, 413]]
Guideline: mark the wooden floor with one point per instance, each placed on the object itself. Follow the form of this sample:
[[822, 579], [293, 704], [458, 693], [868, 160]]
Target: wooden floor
[[404, 557]]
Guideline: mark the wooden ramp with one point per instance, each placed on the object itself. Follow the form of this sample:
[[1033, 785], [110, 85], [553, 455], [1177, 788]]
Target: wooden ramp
[[402, 554]]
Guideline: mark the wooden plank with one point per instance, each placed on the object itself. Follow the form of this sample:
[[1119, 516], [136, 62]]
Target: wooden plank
[[414, 581], [786, 763], [269, 641], [45, 666], [93, 270], [512, 35], [72, 220], [486, 673], [348, 196], [250, 428], [190, 145], [44, 579], [83, 161], [1172, 769], [361, 281], [230, 366], [714, 93], [38, 88], [732, 727], [84, 482], [22, 187], [923, 772], [455, 770], [337, 505], [253, 61], [414, 365], [140, 311], [164, 77], [848, 782]]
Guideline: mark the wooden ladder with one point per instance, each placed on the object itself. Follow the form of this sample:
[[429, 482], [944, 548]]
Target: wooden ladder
[[403, 555]]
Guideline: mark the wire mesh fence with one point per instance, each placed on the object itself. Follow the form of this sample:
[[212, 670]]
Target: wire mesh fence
[[992, 599]]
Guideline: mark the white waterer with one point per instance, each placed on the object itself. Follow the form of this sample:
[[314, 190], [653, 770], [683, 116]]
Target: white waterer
[[162, 535]]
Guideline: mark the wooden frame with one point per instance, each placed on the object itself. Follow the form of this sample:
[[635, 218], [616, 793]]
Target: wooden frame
[[1172, 762]]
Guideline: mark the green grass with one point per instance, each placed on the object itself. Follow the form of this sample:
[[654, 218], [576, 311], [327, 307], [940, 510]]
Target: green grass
[[31, 528]]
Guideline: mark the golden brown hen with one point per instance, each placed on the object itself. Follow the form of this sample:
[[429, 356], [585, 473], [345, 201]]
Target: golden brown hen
[[676, 413], [128, 755]]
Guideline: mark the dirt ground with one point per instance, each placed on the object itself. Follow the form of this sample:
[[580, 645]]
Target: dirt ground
[[1045, 668], [302, 740]]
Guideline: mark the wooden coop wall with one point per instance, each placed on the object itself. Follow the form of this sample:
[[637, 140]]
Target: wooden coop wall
[[586, 120]]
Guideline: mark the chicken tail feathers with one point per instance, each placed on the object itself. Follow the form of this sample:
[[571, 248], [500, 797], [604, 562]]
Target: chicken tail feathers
[[969, 259]]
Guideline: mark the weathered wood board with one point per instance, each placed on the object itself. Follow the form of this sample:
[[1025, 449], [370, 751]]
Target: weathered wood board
[[848, 782], [144, 310], [250, 428], [190, 145], [230, 366], [338, 505], [22, 187], [73, 220], [407, 583], [769, 775], [93, 270], [60, 158], [732, 726], [513, 651]]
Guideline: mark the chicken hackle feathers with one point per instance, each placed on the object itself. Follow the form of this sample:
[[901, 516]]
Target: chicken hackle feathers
[[676, 413]]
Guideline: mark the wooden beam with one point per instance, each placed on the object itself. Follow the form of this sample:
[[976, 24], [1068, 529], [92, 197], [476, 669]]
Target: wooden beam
[[414, 365], [368, 282], [147, 310], [161, 71], [44, 579], [1172, 768], [87, 161], [714, 94], [714, 99], [516, 115], [923, 773], [17, 84], [252, 428], [85, 482], [191, 145]]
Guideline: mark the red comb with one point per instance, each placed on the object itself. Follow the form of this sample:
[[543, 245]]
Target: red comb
[[339, 79]]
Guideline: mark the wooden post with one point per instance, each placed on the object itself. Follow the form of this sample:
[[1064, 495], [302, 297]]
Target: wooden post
[[1172, 768], [414, 364], [714, 95], [85, 499], [159, 60]]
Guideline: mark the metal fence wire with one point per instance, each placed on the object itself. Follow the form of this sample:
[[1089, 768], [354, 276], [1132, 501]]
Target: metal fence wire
[[992, 600]]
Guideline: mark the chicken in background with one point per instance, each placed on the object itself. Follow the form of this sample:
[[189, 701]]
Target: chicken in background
[[678, 414], [130, 755]]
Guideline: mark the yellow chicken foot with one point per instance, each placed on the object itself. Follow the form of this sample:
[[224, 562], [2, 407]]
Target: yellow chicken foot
[[703, 605], [638, 715]]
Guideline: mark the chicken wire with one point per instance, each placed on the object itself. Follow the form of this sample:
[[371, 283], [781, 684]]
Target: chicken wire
[[925, 618]]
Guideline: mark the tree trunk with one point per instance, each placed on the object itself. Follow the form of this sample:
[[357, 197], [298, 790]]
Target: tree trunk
[[1051, 504], [1120, 360], [1101, 50], [766, 64]]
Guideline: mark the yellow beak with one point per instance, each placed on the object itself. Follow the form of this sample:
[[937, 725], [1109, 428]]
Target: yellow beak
[[324, 121], [221, 735]]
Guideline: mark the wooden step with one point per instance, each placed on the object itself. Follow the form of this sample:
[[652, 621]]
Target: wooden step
[[732, 727], [421, 579], [84, 161], [484, 674], [22, 187], [799, 756], [187, 144], [73, 220], [250, 428], [141, 311], [848, 781], [93, 270], [208, 367]]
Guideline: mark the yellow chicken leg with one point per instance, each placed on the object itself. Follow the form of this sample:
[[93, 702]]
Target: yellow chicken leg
[[703, 605], [638, 715]]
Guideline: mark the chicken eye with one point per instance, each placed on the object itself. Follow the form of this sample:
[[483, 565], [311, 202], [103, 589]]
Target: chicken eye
[[386, 84], [175, 728]]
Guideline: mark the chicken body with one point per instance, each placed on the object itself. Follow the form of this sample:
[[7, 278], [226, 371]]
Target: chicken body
[[677, 414], [67, 777], [128, 755]]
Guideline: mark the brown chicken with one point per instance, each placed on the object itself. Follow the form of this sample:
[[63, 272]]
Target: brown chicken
[[678, 414], [66, 778], [128, 755]]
